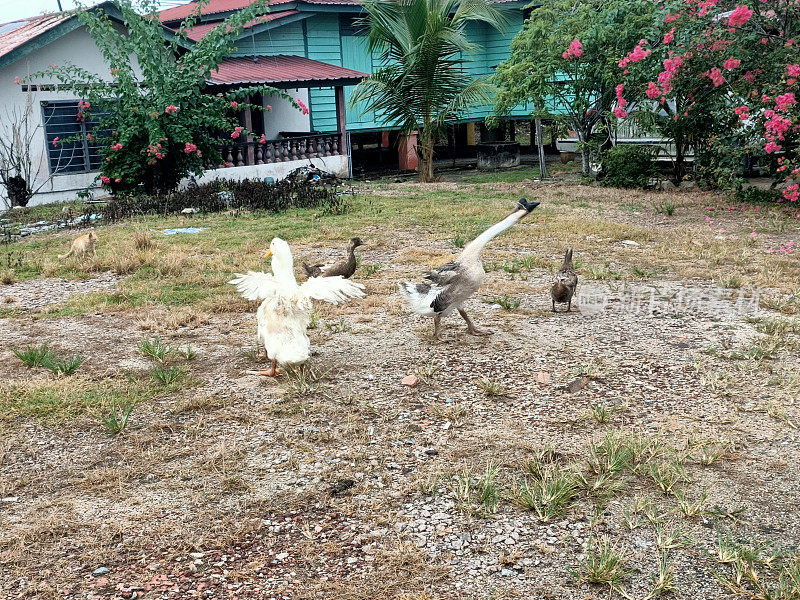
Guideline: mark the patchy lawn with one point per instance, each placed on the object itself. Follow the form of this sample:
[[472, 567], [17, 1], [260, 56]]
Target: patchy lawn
[[646, 442]]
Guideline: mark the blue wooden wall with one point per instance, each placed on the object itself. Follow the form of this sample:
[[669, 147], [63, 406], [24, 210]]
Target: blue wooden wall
[[318, 38]]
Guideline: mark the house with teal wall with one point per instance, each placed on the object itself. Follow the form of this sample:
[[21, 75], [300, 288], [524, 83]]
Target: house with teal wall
[[328, 31]]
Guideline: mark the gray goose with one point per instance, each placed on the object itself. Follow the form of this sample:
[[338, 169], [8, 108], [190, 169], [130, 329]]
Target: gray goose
[[448, 287]]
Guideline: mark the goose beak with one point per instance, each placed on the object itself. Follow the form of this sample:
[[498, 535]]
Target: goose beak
[[268, 253]]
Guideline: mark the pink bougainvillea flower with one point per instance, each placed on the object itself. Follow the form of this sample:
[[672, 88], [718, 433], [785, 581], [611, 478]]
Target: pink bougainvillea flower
[[269, 108], [636, 55], [752, 234], [105, 179], [740, 15], [620, 100], [784, 101], [670, 17], [771, 147], [731, 63], [189, 148], [171, 109], [743, 112], [262, 139], [792, 193], [620, 113], [575, 50], [55, 141], [302, 106], [793, 70], [715, 75], [17, 80], [234, 104], [118, 180], [653, 91], [669, 36]]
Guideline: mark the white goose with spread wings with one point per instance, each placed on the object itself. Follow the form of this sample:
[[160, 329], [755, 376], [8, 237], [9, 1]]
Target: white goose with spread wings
[[449, 286], [285, 311]]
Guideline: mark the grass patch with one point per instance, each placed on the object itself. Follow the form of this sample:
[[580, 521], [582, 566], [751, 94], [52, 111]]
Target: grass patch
[[505, 302], [506, 176], [34, 356], [54, 402], [604, 563]]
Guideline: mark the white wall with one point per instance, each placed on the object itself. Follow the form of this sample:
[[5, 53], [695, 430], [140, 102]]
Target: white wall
[[284, 116], [331, 164], [77, 48]]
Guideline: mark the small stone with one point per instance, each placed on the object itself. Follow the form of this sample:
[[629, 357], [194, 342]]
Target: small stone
[[578, 384], [630, 243], [409, 380], [100, 571], [197, 554], [543, 377], [507, 573], [431, 452]]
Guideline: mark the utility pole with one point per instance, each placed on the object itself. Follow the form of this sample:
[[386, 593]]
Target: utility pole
[[59, 6]]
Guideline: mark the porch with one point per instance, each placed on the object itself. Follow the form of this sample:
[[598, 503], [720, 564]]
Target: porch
[[283, 137]]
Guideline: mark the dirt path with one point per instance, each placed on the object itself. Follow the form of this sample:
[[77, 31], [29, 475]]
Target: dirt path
[[343, 483]]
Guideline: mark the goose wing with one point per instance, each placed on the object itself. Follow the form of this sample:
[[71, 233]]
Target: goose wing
[[255, 285], [332, 289], [445, 274]]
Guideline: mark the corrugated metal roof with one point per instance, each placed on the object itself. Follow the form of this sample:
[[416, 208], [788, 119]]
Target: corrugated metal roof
[[221, 6], [213, 7], [199, 32], [280, 69], [16, 33]]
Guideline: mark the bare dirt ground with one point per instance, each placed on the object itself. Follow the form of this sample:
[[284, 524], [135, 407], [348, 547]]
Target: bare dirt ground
[[668, 403]]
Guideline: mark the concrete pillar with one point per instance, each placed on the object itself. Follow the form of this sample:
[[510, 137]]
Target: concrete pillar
[[470, 134], [248, 125], [407, 150]]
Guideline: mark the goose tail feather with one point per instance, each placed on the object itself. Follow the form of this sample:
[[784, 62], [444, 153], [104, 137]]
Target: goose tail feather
[[420, 297]]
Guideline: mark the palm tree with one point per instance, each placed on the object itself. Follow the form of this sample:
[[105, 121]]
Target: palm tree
[[422, 85]]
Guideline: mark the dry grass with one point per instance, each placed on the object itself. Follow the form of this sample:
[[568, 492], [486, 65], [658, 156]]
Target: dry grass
[[204, 464]]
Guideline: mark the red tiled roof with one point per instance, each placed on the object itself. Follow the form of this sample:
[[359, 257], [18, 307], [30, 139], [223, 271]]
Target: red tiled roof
[[16, 33], [213, 7], [280, 69], [221, 6], [198, 32]]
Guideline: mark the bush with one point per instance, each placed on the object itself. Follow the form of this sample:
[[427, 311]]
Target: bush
[[628, 167], [753, 194], [227, 194]]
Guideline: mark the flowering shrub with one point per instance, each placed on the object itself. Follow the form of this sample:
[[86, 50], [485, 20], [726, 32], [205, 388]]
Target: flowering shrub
[[722, 80], [566, 61], [158, 124]]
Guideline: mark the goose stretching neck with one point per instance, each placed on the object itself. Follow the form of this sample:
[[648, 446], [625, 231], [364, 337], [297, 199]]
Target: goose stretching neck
[[447, 288]]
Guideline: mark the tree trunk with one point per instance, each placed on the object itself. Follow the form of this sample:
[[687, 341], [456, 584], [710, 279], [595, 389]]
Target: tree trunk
[[586, 154], [426, 159], [540, 148], [679, 160]]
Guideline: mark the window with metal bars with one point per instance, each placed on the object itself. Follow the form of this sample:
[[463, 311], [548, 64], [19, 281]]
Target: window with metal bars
[[63, 119]]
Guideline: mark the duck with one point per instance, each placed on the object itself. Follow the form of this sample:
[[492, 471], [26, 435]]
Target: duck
[[566, 281], [447, 288], [345, 267], [285, 310]]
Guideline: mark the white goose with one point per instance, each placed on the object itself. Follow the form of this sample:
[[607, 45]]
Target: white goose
[[449, 286], [285, 311]]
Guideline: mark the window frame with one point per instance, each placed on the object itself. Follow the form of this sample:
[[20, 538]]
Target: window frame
[[86, 151]]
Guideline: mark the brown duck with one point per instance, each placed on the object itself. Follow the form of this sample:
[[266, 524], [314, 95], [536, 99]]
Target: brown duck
[[566, 282], [345, 267]]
